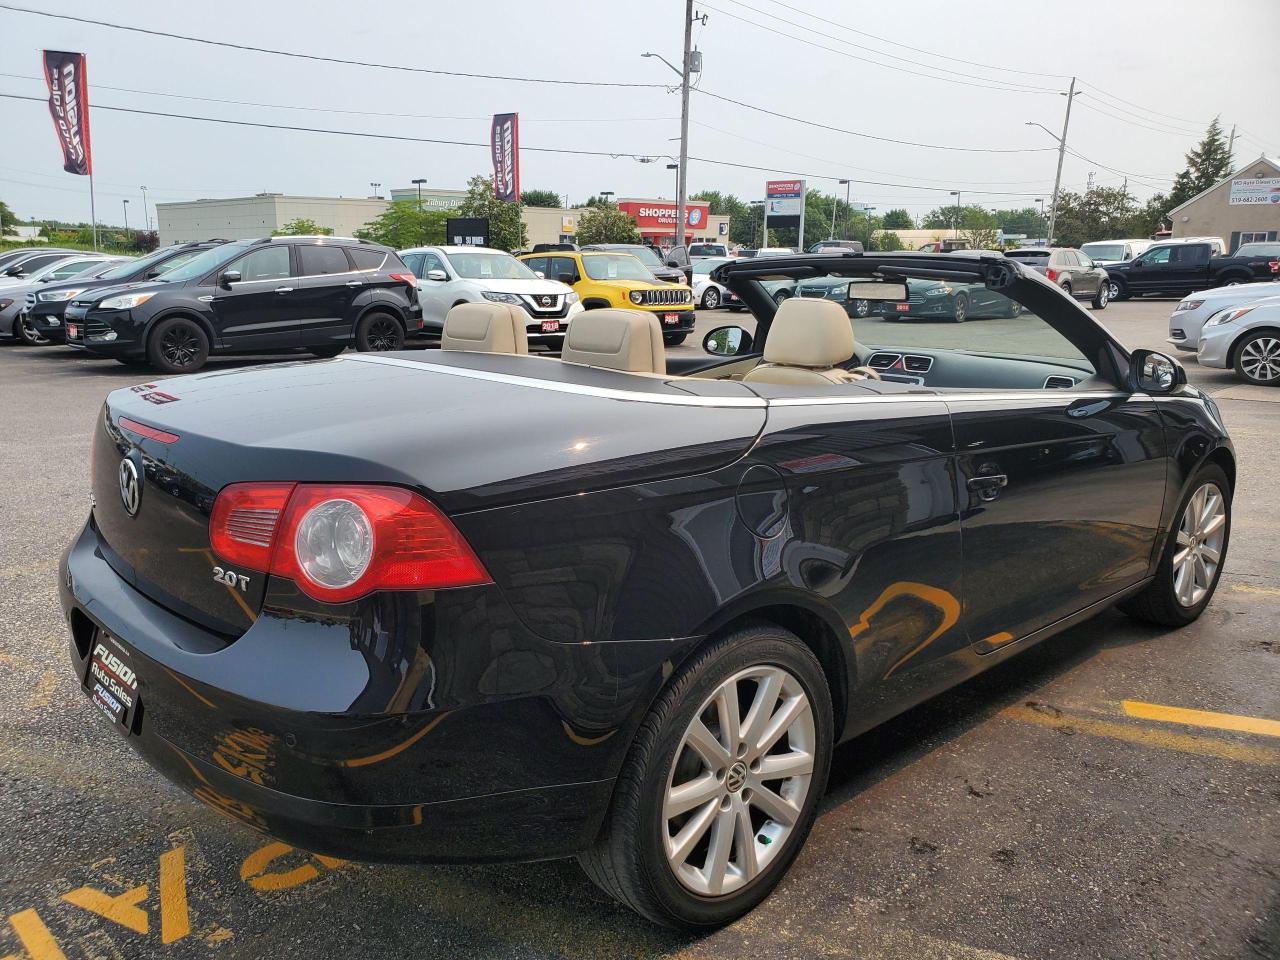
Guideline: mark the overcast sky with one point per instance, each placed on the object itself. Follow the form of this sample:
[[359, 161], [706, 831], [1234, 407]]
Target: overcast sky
[[1156, 68]]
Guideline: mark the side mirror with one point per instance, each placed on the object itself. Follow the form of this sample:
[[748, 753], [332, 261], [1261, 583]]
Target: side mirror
[[541, 275], [437, 275], [151, 274], [229, 277], [727, 342], [567, 278], [1151, 372], [13, 272]]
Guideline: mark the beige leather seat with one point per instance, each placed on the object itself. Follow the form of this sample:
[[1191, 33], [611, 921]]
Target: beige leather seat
[[628, 340], [485, 328], [807, 341]]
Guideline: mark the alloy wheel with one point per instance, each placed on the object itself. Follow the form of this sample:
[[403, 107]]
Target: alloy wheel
[[27, 332], [383, 334], [1104, 294], [1260, 359], [1198, 553], [710, 299], [179, 346], [960, 310], [1113, 290], [739, 781]]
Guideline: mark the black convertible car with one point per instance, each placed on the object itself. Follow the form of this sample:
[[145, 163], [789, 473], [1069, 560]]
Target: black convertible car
[[480, 605]]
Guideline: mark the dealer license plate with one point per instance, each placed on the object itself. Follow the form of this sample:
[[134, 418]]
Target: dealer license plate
[[902, 307], [111, 682], [671, 319], [550, 326], [73, 330]]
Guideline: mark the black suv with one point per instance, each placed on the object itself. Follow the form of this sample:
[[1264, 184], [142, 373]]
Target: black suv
[[251, 296], [44, 309]]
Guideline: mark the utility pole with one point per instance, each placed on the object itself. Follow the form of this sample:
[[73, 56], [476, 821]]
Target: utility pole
[[845, 231], [686, 64], [1231, 144], [146, 211], [1062, 150], [126, 221]]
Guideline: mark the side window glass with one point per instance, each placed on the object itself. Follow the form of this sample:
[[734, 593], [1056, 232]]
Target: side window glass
[[411, 260], [559, 267], [317, 260], [267, 263], [1157, 256], [537, 264], [431, 262], [70, 269], [373, 259]]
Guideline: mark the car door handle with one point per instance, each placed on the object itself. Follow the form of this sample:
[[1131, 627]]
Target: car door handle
[[988, 488], [284, 289], [355, 283]]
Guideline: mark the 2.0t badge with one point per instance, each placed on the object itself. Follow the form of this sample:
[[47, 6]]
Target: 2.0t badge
[[130, 487]]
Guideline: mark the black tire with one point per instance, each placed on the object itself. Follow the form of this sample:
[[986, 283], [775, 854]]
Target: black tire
[[177, 345], [379, 332], [1257, 358], [1102, 297], [674, 339], [736, 309], [26, 333], [960, 308], [860, 309], [1158, 602], [1066, 288], [710, 299], [1013, 310], [780, 296], [628, 860], [325, 353], [1119, 291]]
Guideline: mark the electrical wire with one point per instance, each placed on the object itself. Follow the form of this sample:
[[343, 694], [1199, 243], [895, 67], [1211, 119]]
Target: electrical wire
[[323, 59]]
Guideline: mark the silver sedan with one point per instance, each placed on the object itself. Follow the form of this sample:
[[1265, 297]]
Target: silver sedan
[[1247, 338], [1189, 315]]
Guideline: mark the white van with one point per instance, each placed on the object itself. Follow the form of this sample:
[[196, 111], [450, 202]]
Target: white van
[[1103, 252]]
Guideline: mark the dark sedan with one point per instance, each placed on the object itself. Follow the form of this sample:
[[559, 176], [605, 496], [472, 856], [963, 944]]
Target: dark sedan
[[480, 605], [930, 299]]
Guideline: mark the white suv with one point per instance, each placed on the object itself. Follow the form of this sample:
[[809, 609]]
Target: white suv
[[448, 276]]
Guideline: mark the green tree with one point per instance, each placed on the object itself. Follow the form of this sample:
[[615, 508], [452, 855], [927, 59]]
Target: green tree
[[8, 220], [403, 225], [606, 224], [1208, 163], [540, 198], [1103, 213], [1149, 218], [302, 227], [888, 241], [1025, 220], [506, 220], [950, 216], [898, 219]]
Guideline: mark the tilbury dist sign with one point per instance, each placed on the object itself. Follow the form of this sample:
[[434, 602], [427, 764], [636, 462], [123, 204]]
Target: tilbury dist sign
[[655, 215]]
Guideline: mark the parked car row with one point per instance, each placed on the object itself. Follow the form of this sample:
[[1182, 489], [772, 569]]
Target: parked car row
[[175, 307], [1234, 327]]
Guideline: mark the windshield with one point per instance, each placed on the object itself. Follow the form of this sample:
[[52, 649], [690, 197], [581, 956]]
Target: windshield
[[615, 266], [1028, 254], [120, 271], [707, 250], [1259, 250], [489, 266], [200, 262], [1104, 251], [646, 255]]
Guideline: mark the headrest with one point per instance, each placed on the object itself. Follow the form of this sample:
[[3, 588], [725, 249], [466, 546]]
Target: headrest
[[486, 328], [809, 333], [628, 340]]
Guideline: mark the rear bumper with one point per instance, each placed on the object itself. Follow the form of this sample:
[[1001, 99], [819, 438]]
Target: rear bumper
[[334, 735]]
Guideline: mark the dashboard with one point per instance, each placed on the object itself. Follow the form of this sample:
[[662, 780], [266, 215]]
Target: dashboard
[[957, 369]]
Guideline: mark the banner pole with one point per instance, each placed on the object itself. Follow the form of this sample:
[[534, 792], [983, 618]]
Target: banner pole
[[93, 213]]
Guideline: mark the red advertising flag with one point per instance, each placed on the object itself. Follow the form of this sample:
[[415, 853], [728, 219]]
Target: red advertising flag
[[69, 107], [504, 139]]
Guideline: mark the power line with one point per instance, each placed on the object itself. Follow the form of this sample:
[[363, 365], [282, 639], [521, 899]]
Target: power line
[[1008, 88], [868, 136], [1025, 87], [359, 113], [1167, 131], [323, 59], [485, 145], [907, 46], [1167, 116]]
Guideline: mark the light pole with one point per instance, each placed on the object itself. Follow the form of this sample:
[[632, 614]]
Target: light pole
[[956, 228], [606, 194], [126, 220], [686, 68], [755, 204], [676, 168], [376, 195], [845, 231], [146, 213], [1062, 149], [418, 183]]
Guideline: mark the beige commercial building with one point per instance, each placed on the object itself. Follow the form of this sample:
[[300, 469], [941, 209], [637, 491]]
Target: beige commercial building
[[1240, 208], [244, 218]]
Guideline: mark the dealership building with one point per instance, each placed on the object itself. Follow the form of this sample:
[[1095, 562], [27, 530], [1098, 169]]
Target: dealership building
[[243, 218], [1243, 207]]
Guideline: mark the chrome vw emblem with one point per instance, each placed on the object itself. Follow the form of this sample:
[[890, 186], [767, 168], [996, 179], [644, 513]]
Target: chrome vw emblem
[[736, 778], [130, 487]]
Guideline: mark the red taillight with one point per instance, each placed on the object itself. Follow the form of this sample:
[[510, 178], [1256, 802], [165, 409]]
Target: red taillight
[[151, 433], [246, 516], [1274, 265], [1051, 273], [410, 543], [406, 278]]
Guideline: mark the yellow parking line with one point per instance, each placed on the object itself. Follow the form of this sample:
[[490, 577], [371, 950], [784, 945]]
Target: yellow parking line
[[1261, 591], [1201, 718], [1143, 736]]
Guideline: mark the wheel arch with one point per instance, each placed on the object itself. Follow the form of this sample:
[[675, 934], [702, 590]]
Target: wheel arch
[[1222, 457], [1244, 335], [595, 303], [380, 306], [186, 314]]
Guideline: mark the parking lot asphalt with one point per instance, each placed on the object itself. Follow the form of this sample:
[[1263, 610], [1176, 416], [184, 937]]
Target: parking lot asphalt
[[1112, 793]]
